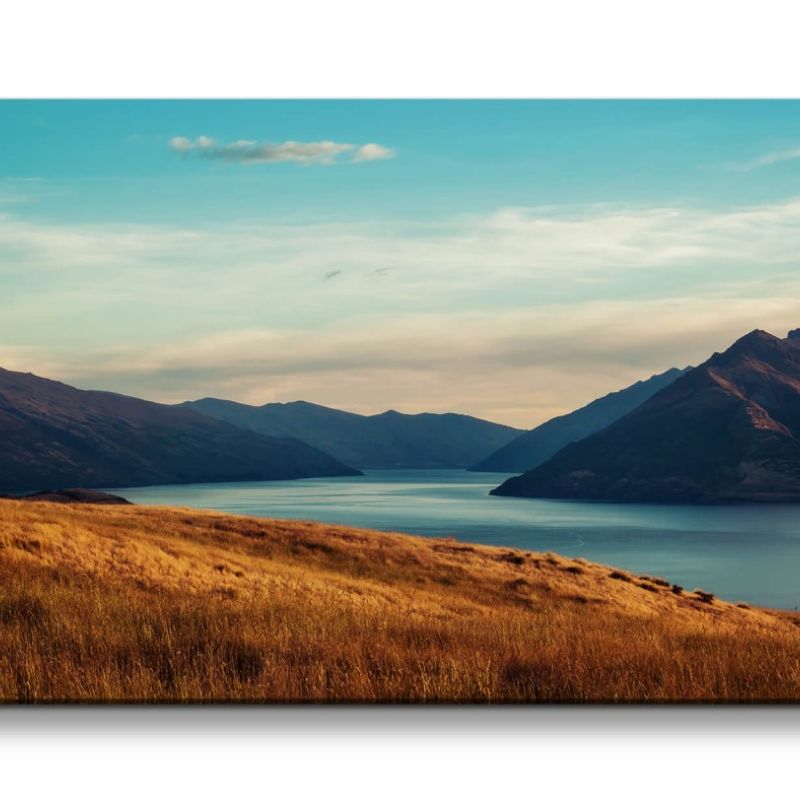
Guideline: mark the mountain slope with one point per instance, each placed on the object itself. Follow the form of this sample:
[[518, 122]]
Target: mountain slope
[[728, 430], [389, 440], [54, 435], [536, 446]]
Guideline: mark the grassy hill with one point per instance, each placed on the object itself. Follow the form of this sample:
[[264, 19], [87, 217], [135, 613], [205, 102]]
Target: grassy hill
[[103, 603]]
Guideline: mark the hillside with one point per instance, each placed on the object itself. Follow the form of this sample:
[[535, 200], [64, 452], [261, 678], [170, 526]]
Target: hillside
[[729, 430], [390, 440], [103, 603], [537, 445], [92, 496], [55, 436]]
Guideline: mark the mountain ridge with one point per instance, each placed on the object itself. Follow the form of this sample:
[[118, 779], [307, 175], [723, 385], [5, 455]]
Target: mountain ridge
[[537, 445], [726, 431], [56, 435], [389, 439]]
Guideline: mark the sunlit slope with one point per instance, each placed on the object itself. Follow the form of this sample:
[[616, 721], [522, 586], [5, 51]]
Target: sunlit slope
[[127, 603]]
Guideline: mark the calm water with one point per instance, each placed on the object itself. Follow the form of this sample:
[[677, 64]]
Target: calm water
[[747, 553]]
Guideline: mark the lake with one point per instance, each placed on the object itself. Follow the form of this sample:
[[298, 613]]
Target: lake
[[743, 552]]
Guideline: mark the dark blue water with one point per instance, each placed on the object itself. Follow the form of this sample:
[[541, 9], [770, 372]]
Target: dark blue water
[[749, 553]]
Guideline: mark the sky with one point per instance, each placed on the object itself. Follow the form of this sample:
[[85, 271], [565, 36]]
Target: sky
[[508, 259]]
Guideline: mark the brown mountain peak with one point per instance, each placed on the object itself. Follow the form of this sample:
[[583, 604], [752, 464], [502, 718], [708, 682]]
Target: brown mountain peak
[[729, 430]]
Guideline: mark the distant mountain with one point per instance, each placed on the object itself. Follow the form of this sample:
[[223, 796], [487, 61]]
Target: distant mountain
[[383, 441], [728, 430], [53, 435], [537, 445]]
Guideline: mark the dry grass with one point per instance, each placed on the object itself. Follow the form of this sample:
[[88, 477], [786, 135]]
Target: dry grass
[[133, 603]]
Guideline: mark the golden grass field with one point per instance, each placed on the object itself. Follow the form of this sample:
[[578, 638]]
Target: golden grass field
[[127, 603]]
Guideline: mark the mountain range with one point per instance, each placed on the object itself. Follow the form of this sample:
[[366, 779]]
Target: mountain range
[[55, 436], [390, 440], [727, 430], [536, 446]]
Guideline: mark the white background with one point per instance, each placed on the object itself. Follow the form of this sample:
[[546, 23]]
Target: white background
[[416, 48], [411, 49], [442, 753]]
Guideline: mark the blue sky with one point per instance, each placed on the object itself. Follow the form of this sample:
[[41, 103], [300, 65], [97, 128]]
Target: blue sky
[[108, 161], [508, 259]]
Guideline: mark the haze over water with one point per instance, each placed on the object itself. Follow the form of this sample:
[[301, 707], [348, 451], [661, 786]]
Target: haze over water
[[749, 553]]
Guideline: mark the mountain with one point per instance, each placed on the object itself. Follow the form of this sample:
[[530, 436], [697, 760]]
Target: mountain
[[536, 446], [383, 441], [728, 430], [54, 435]]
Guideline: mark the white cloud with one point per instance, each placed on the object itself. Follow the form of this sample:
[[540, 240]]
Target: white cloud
[[373, 152], [180, 144], [252, 152]]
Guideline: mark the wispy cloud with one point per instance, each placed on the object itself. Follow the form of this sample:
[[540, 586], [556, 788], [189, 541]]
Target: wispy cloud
[[245, 151], [495, 250], [768, 159], [515, 315], [18, 189]]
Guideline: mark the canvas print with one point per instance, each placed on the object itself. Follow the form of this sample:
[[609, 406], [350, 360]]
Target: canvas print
[[399, 401]]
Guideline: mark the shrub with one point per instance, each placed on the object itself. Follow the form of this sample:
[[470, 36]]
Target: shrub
[[656, 581], [582, 599], [452, 548]]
